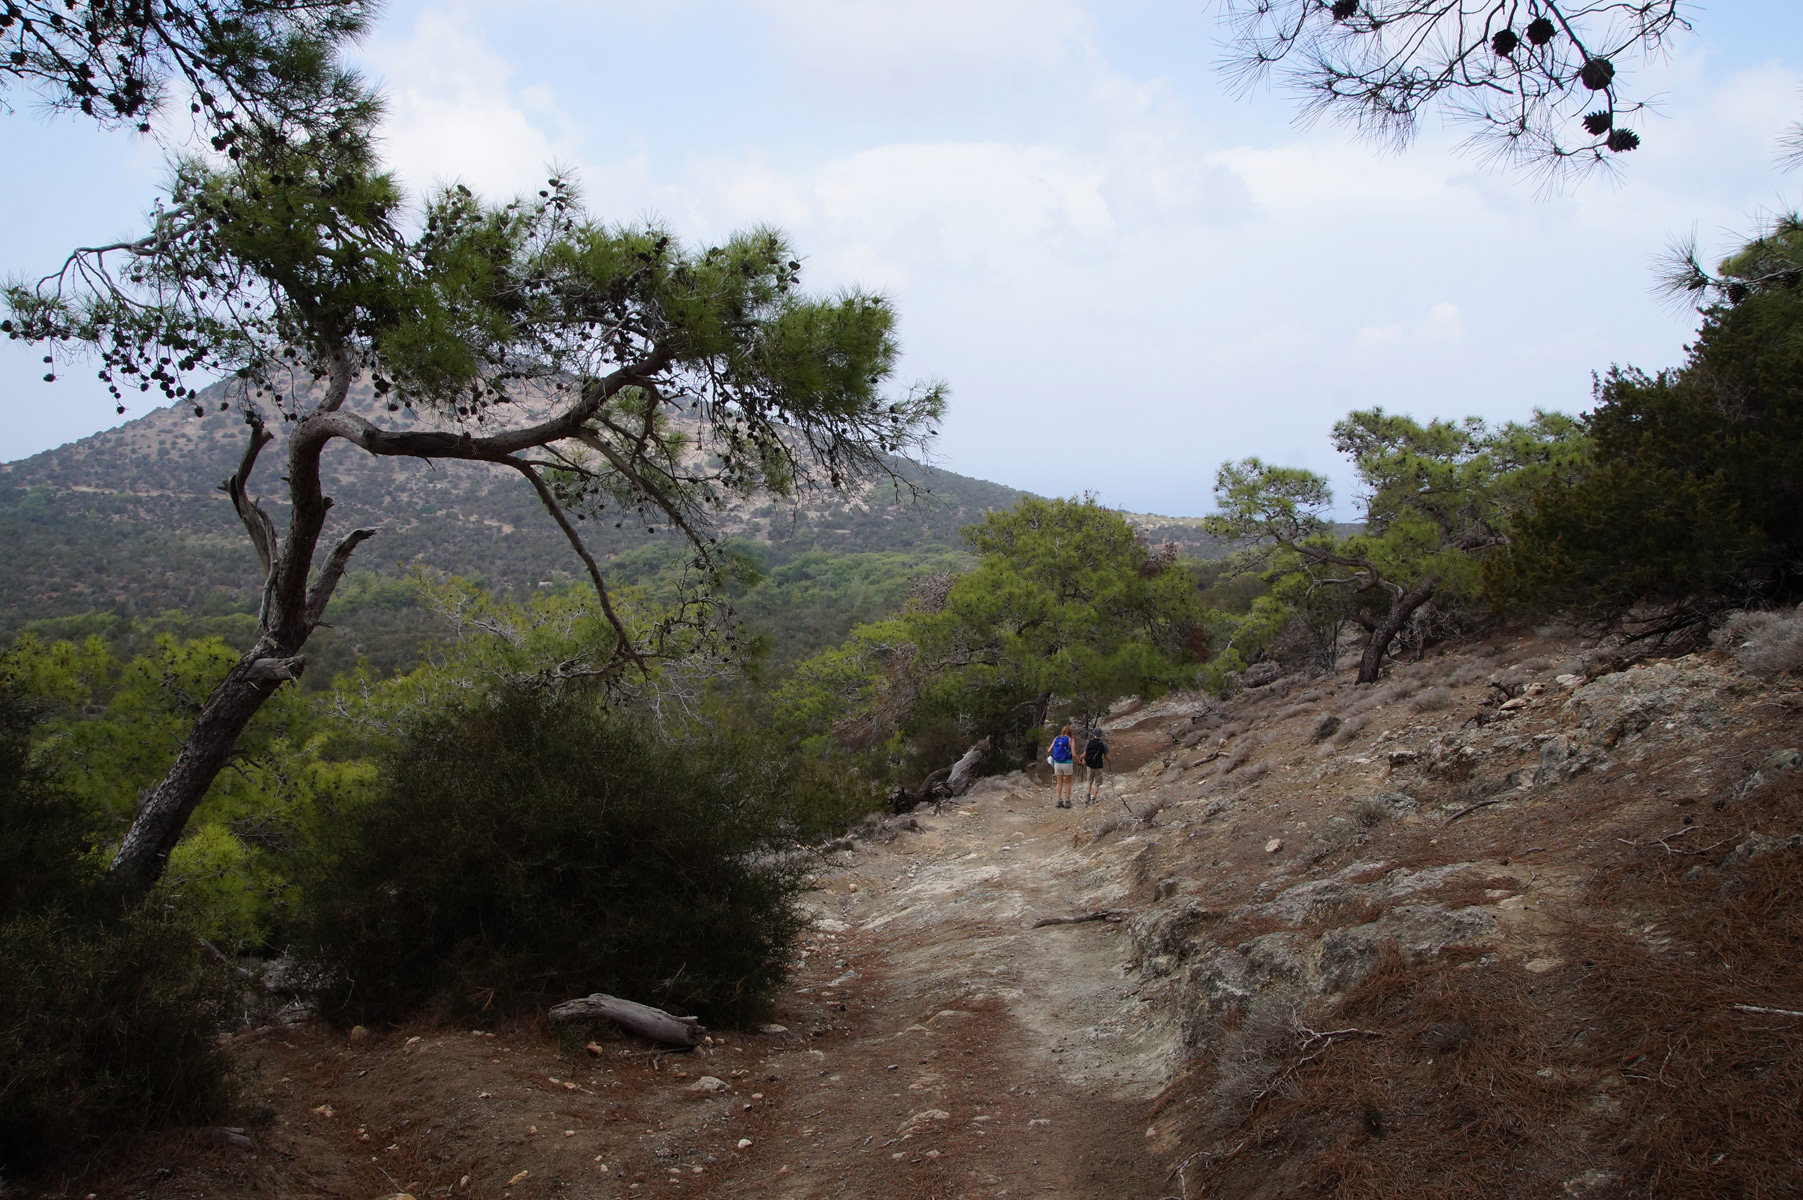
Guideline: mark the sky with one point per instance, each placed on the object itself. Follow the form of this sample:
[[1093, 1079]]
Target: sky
[[1125, 271]]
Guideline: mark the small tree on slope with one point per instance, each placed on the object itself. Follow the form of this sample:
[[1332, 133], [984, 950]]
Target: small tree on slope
[[1438, 498]]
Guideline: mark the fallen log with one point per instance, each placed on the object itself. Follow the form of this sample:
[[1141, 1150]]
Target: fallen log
[[642, 1019], [964, 771], [1106, 914], [954, 780]]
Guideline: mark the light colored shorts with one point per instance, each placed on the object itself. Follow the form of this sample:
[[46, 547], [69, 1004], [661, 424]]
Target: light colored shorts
[[1069, 768]]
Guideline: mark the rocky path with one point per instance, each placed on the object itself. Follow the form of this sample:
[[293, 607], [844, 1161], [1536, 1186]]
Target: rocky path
[[1506, 862], [983, 1056], [931, 1045]]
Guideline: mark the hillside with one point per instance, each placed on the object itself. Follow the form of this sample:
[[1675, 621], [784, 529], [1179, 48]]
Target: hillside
[[132, 517], [127, 528], [130, 522], [1521, 921]]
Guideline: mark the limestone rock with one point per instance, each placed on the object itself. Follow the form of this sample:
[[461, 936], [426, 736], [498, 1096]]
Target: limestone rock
[[1308, 967], [1260, 674], [1759, 844], [1165, 928]]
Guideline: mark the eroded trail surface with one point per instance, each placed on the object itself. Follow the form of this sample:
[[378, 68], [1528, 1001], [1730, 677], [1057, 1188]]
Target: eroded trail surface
[[984, 1056], [931, 1043]]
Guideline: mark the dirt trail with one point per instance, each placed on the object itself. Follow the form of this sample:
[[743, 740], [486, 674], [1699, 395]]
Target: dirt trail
[[930, 1045], [988, 1057]]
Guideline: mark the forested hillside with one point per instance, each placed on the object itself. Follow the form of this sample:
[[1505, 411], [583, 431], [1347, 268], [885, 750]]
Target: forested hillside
[[131, 522]]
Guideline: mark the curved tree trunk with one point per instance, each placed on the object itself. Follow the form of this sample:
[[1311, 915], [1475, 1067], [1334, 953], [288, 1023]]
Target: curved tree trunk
[[290, 612], [1400, 611], [295, 599], [164, 814]]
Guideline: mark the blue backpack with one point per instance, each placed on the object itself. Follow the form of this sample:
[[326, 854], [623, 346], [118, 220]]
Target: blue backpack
[[1061, 749]]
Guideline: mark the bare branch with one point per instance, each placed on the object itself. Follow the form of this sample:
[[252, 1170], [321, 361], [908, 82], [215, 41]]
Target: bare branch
[[256, 520], [332, 572], [1541, 83], [623, 639]]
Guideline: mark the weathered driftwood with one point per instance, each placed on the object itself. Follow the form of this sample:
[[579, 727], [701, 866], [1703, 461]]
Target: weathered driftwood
[[642, 1019], [946, 782], [964, 771]]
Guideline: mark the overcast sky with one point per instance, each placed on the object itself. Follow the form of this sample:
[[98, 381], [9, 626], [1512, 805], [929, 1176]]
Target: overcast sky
[[1125, 273]]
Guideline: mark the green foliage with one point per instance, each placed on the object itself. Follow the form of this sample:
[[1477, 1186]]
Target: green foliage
[[251, 64], [525, 849], [106, 1028], [1438, 499], [806, 603], [110, 728], [107, 1021], [1065, 605], [1435, 496], [49, 838], [1687, 503]]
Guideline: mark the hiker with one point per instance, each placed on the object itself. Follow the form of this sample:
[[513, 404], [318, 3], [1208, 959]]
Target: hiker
[[1064, 766], [1095, 761]]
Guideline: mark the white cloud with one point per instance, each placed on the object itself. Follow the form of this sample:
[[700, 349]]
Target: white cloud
[[455, 116], [915, 45], [1442, 325], [1091, 264]]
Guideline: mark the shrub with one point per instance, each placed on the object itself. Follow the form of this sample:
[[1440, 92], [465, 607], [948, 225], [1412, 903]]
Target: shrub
[[48, 835], [107, 1020], [1687, 506], [107, 1028], [1432, 700], [529, 850], [1765, 643]]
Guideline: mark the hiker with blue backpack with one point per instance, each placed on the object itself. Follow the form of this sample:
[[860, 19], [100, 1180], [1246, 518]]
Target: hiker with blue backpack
[[1064, 766]]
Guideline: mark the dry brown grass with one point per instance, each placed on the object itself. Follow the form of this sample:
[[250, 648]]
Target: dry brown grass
[[1432, 700], [1627, 1064], [1765, 643]]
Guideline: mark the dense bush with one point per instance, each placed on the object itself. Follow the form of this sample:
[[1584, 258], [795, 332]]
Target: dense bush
[[1066, 610], [526, 850], [107, 1028], [107, 1020], [1688, 503]]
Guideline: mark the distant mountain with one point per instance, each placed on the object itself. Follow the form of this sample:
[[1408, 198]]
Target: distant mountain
[[131, 522]]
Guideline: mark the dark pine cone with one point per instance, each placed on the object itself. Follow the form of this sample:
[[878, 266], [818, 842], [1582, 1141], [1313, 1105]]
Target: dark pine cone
[[1623, 140], [1738, 292], [1540, 31], [1597, 74], [1504, 42], [1343, 10], [1597, 123]]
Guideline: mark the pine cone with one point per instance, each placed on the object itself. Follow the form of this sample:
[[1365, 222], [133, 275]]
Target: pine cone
[[1597, 74], [1540, 31], [1505, 42], [1598, 123], [1623, 140]]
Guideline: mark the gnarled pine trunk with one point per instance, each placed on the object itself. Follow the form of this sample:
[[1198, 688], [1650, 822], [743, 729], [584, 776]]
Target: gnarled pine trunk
[[1401, 609], [290, 612]]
